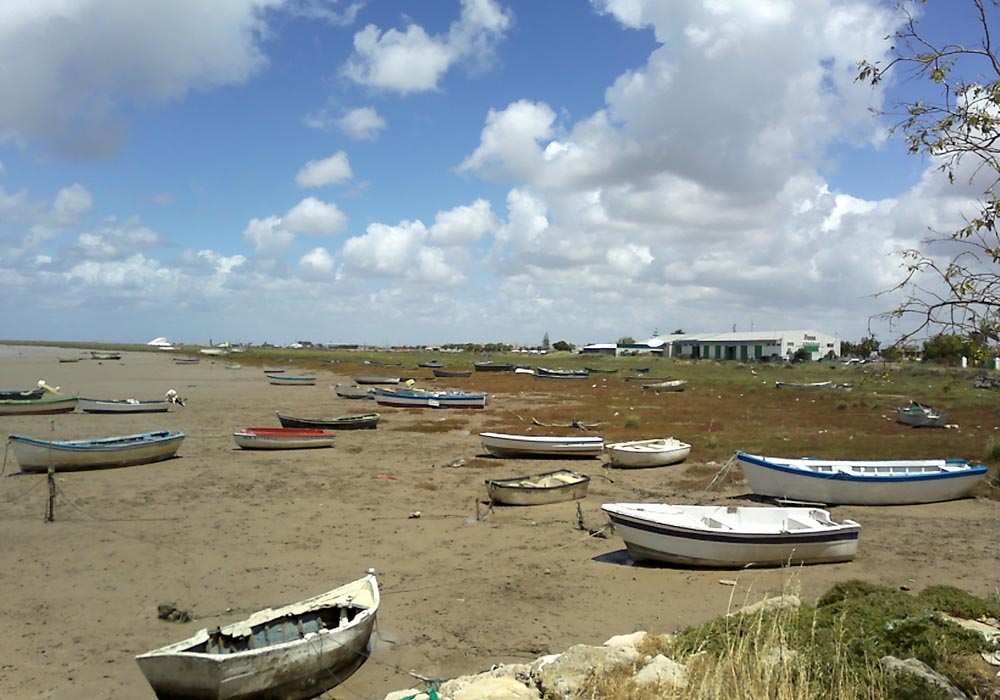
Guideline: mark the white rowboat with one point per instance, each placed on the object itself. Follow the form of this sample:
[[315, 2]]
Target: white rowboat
[[538, 489], [505, 445], [861, 482], [729, 536], [647, 453], [290, 653], [123, 406], [99, 453], [282, 438]]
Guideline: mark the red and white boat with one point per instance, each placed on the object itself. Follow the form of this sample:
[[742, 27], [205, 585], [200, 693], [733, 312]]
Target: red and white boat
[[282, 438]]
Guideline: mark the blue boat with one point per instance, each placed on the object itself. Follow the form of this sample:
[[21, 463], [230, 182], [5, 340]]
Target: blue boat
[[290, 380]]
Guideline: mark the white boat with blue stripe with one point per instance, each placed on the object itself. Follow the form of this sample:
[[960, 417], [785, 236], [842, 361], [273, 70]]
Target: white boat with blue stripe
[[861, 482], [731, 536]]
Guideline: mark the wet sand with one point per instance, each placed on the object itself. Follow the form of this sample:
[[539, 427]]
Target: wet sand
[[223, 532]]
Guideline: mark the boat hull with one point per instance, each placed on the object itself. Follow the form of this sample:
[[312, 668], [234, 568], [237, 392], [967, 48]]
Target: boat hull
[[538, 489], [666, 386], [717, 536], [921, 417], [452, 372], [361, 421], [290, 380], [122, 406], [430, 399], [374, 379], [505, 445], [102, 453], [352, 392], [36, 407], [898, 482], [641, 454], [304, 667], [282, 438]]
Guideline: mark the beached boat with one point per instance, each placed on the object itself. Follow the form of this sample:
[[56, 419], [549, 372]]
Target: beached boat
[[372, 379], [731, 536], [69, 359], [488, 366], [419, 398], [438, 372], [636, 454], [282, 438], [546, 373], [96, 355], [538, 489], [291, 380], [668, 385], [920, 415], [289, 653], [35, 455], [348, 391], [277, 369], [598, 370], [430, 364], [507, 445], [861, 482], [357, 421], [42, 406], [123, 406], [804, 386], [22, 394], [186, 360]]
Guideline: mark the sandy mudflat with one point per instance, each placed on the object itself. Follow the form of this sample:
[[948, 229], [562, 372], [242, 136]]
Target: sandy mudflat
[[222, 529]]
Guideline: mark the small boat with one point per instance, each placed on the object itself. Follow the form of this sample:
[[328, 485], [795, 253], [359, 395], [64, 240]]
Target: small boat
[[357, 421], [376, 379], [419, 398], [346, 391], [69, 359], [668, 385], [636, 454], [431, 364], [808, 386], [861, 482], [123, 406], [381, 363], [294, 652], [235, 365], [489, 366], [291, 380], [597, 370], [646, 379], [186, 360], [538, 489], [731, 536], [213, 352], [274, 370], [22, 394], [282, 438], [545, 373], [452, 372], [96, 355], [42, 406], [35, 455], [506, 445], [920, 415]]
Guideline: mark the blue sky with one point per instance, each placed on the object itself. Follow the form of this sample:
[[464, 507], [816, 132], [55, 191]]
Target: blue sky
[[451, 171]]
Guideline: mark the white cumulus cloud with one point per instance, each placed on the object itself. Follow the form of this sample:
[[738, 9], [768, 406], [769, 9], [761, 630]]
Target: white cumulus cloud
[[327, 171], [463, 224], [312, 216]]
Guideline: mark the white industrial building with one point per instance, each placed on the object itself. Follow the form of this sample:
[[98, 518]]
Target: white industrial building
[[743, 345]]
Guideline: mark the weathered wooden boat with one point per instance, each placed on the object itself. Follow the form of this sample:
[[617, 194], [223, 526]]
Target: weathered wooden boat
[[731, 536], [546, 373], [921, 415], [348, 391], [861, 482], [489, 366], [438, 372], [282, 438], [431, 364], [357, 421], [804, 386], [665, 386], [507, 445], [35, 455], [637, 454], [289, 653], [123, 405], [420, 398], [97, 355], [538, 489], [43, 406], [291, 380], [372, 379], [22, 394]]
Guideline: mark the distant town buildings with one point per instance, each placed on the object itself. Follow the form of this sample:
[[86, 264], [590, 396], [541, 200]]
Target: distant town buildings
[[759, 346]]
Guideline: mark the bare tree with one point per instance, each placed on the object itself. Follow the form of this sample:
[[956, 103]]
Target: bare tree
[[960, 129]]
